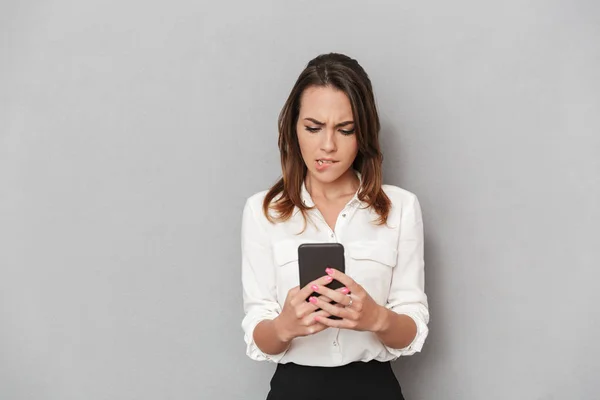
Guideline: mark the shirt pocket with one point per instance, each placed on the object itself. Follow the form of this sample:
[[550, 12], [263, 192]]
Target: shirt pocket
[[371, 265], [285, 256]]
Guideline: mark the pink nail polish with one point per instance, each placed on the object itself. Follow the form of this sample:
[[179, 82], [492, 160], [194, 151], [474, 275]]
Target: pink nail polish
[[328, 279], [345, 290], [314, 287], [312, 300], [329, 271]]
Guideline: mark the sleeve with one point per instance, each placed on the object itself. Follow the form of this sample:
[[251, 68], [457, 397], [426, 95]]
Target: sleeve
[[258, 282], [407, 295]]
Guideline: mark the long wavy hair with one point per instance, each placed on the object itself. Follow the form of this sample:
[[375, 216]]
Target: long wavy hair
[[343, 73]]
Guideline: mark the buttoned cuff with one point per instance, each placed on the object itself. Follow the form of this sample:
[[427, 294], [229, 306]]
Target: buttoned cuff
[[420, 315], [252, 350]]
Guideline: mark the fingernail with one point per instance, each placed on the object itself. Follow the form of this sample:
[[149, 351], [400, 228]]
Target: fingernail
[[345, 290], [328, 279], [312, 299], [317, 319], [314, 287], [329, 271]]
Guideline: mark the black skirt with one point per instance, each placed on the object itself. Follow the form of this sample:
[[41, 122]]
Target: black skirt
[[354, 381]]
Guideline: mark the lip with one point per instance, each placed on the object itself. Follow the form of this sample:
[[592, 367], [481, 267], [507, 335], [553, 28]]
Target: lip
[[326, 159], [324, 167]]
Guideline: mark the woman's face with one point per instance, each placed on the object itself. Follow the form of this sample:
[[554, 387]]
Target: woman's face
[[325, 131]]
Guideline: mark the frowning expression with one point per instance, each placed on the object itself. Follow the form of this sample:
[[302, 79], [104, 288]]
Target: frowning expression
[[326, 132]]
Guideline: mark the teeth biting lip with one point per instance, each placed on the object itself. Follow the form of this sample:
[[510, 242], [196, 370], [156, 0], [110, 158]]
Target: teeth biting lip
[[321, 162]]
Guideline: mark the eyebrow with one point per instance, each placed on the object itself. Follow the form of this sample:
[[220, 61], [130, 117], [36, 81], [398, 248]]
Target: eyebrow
[[323, 123]]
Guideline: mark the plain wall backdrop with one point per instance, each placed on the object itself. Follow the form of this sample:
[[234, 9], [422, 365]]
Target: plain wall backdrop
[[132, 132]]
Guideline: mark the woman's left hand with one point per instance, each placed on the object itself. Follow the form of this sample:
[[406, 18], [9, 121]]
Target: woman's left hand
[[355, 306]]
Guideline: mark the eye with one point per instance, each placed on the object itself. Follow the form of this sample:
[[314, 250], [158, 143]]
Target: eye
[[312, 129], [347, 132]]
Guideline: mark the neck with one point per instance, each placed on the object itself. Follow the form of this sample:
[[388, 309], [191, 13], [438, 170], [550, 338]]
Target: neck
[[345, 185]]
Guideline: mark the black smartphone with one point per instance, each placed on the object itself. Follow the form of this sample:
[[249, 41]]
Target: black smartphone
[[313, 258]]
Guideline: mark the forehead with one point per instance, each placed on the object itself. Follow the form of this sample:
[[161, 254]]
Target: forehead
[[325, 102]]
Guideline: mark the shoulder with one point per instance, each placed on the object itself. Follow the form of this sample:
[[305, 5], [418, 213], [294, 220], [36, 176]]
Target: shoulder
[[253, 218], [405, 204], [400, 197], [256, 200], [254, 203]]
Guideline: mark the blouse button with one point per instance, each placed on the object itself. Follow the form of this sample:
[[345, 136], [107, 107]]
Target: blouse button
[[343, 215]]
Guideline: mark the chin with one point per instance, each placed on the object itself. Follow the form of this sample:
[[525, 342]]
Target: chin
[[328, 176]]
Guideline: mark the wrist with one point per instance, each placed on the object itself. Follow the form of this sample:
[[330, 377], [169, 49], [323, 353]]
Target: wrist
[[382, 320], [280, 331]]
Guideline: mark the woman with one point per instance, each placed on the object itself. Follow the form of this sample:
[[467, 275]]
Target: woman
[[332, 191]]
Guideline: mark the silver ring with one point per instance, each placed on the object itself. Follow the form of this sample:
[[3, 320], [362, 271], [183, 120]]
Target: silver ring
[[349, 304]]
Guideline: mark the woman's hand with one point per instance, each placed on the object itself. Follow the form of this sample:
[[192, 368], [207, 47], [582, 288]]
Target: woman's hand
[[355, 306], [298, 317]]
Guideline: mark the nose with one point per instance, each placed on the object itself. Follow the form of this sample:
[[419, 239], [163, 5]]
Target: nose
[[328, 142]]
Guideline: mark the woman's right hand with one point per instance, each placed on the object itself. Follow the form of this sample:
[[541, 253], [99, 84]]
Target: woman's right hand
[[297, 318]]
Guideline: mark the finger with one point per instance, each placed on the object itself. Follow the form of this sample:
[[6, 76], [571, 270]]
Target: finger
[[339, 295], [325, 298], [306, 307], [307, 290], [311, 320], [293, 292], [335, 323], [341, 312], [312, 325], [344, 279], [316, 328], [309, 307]]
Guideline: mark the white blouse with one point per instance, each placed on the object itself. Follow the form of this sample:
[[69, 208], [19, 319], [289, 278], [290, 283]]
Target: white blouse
[[386, 260]]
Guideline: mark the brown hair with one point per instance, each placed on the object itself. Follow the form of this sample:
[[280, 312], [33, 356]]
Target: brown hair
[[342, 73]]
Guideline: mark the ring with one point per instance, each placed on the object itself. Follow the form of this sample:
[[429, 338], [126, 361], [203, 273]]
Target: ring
[[349, 304]]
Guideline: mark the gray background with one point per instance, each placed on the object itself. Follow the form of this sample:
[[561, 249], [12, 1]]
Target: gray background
[[131, 134]]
